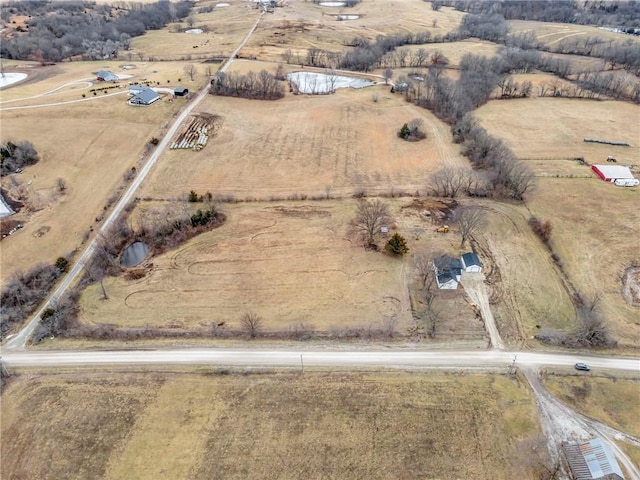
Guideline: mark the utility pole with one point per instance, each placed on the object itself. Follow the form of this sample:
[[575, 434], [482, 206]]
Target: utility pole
[[301, 364], [512, 367]]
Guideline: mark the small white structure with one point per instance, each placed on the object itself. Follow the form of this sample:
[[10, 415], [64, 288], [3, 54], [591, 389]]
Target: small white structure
[[471, 262], [446, 281], [619, 175]]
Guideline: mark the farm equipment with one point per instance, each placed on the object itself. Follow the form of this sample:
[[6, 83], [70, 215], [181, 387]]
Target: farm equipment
[[611, 159], [443, 229]]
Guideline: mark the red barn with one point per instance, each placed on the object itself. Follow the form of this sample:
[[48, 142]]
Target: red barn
[[616, 174]]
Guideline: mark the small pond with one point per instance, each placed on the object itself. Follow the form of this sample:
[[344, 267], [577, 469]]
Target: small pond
[[134, 254]]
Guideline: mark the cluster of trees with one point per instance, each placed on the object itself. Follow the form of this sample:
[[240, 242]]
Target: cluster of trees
[[24, 292], [413, 131], [59, 30], [14, 156], [263, 85]]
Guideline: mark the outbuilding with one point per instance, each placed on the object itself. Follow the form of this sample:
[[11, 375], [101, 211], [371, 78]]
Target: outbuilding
[[180, 91], [447, 281], [143, 96], [471, 262], [592, 460], [106, 76], [617, 174]]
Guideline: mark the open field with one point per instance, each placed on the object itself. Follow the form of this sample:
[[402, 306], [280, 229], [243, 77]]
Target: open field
[[303, 144], [303, 25], [246, 265], [596, 251], [355, 425], [613, 400], [553, 33], [91, 145]]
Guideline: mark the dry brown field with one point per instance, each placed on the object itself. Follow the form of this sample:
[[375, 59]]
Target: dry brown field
[[552, 33], [292, 263], [303, 25], [594, 223], [338, 425], [303, 144], [89, 144], [613, 400]]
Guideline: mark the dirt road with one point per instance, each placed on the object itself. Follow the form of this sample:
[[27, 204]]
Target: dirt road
[[560, 423], [473, 284]]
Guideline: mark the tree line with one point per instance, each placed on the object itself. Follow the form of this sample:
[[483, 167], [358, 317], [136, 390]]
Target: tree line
[[263, 85], [60, 30]]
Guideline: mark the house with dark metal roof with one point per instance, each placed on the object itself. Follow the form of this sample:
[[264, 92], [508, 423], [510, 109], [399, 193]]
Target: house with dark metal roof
[[180, 91], [471, 262], [143, 96], [592, 460], [106, 76], [448, 272]]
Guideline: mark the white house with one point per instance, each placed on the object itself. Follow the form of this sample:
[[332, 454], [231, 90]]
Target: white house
[[448, 272], [471, 262]]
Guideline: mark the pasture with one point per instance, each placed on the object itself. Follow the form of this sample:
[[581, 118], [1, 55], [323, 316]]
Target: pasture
[[306, 144], [594, 223], [90, 144], [356, 425], [292, 263]]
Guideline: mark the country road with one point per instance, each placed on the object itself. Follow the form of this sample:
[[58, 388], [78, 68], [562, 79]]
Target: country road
[[319, 358], [19, 340]]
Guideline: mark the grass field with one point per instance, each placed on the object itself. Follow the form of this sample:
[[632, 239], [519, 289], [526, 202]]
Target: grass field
[[613, 400], [596, 251], [303, 144], [90, 144], [337, 425], [292, 263]]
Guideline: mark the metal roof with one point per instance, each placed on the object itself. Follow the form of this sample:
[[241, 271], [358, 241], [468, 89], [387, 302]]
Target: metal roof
[[147, 95], [471, 258], [592, 460], [106, 75], [614, 171]]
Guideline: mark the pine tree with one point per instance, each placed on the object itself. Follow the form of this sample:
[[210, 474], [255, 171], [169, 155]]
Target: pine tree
[[397, 245]]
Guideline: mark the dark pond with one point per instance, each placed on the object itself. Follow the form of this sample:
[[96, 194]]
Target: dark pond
[[134, 254]]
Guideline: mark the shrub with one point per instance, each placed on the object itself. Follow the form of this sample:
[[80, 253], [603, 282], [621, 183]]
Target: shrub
[[397, 245], [154, 141]]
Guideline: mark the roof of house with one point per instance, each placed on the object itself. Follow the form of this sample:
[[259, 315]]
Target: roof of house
[[591, 460], [471, 258], [445, 262], [106, 75], [147, 95], [180, 89], [614, 171], [446, 277]]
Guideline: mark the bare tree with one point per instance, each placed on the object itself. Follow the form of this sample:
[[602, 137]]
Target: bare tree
[[190, 70], [388, 75], [448, 181], [61, 184], [252, 324], [390, 324], [427, 278], [469, 220], [369, 219]]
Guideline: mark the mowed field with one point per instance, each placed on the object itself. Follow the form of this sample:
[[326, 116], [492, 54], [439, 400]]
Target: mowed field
[[303, 144], [594, 223], [292, 263], [281, 425], [90, 144]]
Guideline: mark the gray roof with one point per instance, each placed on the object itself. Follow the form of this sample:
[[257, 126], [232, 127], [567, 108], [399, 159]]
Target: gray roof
[[106, 75], [147, 95], [445, 262], [446, 277], [180, 89], [471, 259], [592, 460]]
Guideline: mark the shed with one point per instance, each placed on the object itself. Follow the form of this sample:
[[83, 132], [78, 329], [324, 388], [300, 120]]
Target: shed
[[106, 76], [180, 91], [592, 460], [145, 96], [617, 174], [471, 262]]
